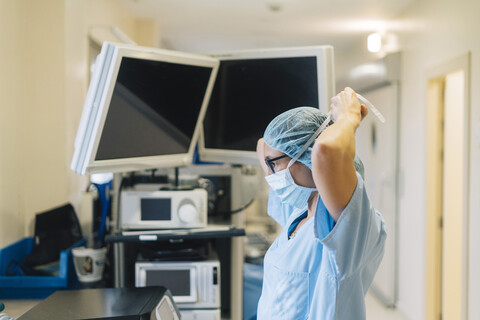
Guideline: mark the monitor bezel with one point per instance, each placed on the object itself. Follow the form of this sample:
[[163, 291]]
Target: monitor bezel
[[98, 100], [326, 90]]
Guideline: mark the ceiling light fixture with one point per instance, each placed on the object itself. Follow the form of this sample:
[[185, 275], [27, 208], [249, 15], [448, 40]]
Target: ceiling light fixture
[[374, 42]]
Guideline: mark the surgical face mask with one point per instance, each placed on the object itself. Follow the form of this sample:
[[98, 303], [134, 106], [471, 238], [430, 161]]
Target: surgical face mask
[[287, 190], [282, 181]]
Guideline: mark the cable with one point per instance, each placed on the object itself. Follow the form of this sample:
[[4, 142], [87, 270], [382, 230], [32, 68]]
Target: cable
[[245, 206]]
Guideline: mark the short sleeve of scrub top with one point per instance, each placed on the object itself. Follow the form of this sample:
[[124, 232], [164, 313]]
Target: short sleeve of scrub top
[[352, 252]]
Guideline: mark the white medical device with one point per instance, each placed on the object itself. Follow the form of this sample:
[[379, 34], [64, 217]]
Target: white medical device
[[193, 284], [163, 209]]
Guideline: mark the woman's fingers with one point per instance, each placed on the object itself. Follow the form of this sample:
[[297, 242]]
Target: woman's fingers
[[345, 103]]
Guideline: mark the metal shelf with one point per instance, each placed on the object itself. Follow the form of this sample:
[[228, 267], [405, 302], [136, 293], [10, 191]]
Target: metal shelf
[[176, 235]]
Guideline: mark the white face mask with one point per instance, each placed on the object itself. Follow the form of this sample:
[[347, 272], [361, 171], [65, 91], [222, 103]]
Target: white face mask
[[282, 182], [287, 190]]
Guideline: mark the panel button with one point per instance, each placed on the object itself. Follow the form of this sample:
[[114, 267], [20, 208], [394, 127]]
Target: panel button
[[215, 275]]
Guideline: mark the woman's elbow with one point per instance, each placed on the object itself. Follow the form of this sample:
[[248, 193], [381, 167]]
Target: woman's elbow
[[324, 153]]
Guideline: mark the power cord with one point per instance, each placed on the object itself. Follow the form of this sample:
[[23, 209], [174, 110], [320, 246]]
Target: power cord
[[245, 206]]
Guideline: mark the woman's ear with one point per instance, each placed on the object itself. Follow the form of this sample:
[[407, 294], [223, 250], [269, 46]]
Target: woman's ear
[[261, 155], [302, 175]]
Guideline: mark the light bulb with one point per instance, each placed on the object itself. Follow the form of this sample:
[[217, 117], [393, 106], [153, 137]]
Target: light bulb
[[374, 42]]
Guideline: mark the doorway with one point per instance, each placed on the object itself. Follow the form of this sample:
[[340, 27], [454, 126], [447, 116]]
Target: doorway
[[447, 190]]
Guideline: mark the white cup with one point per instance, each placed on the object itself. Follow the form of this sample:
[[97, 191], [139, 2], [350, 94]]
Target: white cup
[[89, 263]]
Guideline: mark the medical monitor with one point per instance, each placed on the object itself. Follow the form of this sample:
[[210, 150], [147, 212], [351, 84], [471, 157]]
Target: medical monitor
[[143, 109], [252, 88]]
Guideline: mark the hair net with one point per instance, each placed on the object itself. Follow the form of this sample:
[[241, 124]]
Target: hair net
[[289, 132]]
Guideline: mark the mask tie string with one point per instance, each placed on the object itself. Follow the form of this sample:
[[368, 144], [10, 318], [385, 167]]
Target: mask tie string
[[325, 123], [313, 137]]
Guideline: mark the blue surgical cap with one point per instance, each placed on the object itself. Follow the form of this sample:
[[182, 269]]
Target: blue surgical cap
[[290, 131]]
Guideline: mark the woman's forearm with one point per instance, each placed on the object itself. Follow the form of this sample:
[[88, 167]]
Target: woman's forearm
[[334, 151]]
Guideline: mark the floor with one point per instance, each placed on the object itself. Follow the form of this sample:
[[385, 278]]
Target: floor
[[375, 310]]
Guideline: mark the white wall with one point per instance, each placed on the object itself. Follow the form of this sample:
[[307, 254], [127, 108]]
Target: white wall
[[32, 126], [11, 225], [432, 32], [43, 112]]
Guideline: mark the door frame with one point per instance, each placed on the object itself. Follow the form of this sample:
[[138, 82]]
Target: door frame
[[434, 183]]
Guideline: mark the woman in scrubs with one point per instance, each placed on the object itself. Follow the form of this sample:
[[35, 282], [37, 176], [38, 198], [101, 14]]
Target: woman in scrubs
[[324, 260]]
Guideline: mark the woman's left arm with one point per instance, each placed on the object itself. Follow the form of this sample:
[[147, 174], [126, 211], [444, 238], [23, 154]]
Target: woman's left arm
[[334, 151]]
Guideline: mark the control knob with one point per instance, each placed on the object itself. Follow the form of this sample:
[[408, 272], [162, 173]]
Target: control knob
[[188, 213]]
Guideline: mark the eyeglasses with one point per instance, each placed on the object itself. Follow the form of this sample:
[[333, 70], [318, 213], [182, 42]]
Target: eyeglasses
[[269, 161]]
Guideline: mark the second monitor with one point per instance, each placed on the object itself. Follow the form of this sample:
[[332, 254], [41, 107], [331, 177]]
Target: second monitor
[[253, 87]]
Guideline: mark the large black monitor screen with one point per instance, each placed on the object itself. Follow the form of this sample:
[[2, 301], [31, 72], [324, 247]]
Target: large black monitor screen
[[248, 94], [153, 110]]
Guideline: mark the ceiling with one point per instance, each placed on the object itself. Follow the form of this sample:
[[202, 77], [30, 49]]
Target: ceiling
[[217, 25]]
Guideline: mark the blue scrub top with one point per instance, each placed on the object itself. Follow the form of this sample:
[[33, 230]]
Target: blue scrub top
[[325, 270]]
